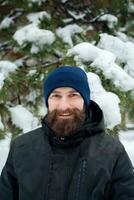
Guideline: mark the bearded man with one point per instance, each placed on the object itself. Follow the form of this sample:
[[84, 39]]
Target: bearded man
[[70, 157]]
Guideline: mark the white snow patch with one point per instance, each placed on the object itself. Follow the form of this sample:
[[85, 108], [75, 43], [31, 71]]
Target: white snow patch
[[42, 109], [2, 78], [6, 23], [1, 124], [127, 139], [64, 1], [88, 28], [111, 111], [103, 60], [23, 119], [39, 2], [39, 16], [31, 97], [124, 51], [130, 125], [19, 62], [6, 67], [122, 36], [34, 35], [76, 15], [131, 7], [32, 72], [4, 149], [111, 20], [84, 52], [67, 20], [67, 33]]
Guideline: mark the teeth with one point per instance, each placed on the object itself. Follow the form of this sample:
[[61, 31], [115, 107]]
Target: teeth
[[65, 115]]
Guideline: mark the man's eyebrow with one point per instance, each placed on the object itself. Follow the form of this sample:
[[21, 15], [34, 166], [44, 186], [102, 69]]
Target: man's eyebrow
[[72, 91], [57, 92]]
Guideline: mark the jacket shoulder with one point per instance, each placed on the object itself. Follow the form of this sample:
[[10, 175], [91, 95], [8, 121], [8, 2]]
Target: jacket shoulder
[[110, 144], [115, 142], [27, 138]]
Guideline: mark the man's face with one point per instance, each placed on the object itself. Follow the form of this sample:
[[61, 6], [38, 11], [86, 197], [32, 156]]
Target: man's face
[[65, 111]]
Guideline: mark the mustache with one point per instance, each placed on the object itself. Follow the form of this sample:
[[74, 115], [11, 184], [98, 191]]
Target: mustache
[[67, 111]]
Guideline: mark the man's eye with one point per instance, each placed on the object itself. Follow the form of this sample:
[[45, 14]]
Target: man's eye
[[55, 96], [74, 95]]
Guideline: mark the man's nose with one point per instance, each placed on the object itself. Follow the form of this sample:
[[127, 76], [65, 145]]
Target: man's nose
[[64, 104]]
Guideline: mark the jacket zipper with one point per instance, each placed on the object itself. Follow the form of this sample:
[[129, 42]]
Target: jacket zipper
[[49, 181], [81, 174]]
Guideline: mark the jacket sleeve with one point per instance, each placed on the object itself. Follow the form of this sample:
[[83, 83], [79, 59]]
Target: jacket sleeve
[[8, 180], [122, 182]]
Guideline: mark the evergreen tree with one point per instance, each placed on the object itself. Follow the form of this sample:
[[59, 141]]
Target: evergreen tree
[[26, 57]]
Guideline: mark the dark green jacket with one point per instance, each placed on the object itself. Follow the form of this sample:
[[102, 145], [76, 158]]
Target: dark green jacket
[[88, 166]]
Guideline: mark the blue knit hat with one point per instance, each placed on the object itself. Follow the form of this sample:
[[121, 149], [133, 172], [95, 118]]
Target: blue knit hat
[[67, 76]]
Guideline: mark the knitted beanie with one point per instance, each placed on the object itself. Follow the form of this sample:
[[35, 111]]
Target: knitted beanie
[[68, 76]]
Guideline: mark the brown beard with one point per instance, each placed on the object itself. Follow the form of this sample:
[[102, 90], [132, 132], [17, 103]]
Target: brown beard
[[65, 127]]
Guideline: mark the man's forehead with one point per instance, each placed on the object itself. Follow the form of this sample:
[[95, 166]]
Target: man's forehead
[[64, 89]]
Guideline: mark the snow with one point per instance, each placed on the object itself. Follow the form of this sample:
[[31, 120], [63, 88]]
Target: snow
[[64, 1], [127, 139], [111, 20], [6, 67], [31, 33], [1, 124], [131, 7], [39, 2], [75, 15], [122, 36], [67, 20], [4, 149], [67, 33], [84, 52], [32, 72], [102, 97], [2, 78], [31, 97], [23, 118], [105, 61], [130, 126], [37, 17], [124, 51], [6, 23], [42, 110]]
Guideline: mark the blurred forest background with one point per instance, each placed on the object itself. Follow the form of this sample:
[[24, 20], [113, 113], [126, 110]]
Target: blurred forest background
[[34, 60]]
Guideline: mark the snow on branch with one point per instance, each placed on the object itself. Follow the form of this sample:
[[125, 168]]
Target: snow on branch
[[38, 38], [124, 51], [110, 19], [1, 124], [6, 67], [38, 2], [23, 118], [103, 60], [102, 98], [38, 16], [67, 33]]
